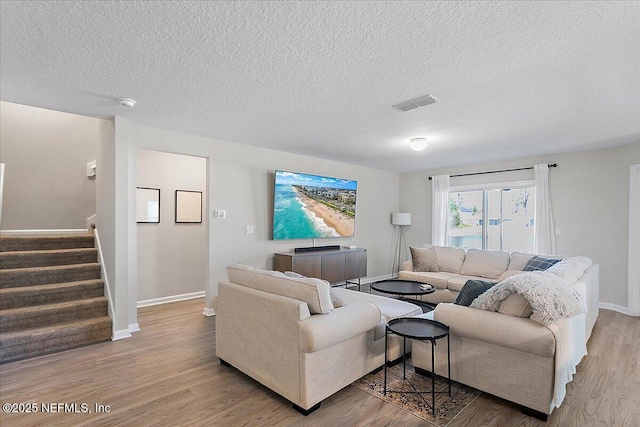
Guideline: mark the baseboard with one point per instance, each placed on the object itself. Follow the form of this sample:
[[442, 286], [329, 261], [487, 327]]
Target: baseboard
[[208, 312], [614, 307], [43, 232], [174, 298], [134, 327], [121, 334]]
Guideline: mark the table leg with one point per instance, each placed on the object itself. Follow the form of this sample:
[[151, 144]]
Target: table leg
[[433, 378], [449, 361], [386, 333], [404, 358]]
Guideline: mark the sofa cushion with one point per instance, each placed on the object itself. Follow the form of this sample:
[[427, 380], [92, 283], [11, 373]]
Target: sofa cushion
[[315, 292], [489, 264], [538, 263], [570, 269], [471, 290], [508, 274], [515, 305], [449, 259], [519, 260], [457, 283], [424, 259], [389, 307], [439, 279]]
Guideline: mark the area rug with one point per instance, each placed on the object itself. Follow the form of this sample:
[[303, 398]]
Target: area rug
[[419, 404]]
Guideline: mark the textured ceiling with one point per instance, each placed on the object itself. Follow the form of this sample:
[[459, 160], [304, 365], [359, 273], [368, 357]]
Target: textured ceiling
[[514, 79]]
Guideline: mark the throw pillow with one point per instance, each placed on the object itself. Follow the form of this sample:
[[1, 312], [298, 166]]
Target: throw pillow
[[472, 290], [515, 305], [424, 259], [538, 263], [294, 274], [335, 299]]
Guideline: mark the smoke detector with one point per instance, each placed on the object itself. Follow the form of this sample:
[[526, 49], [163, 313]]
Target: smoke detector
[[127, 102], [412, 104]]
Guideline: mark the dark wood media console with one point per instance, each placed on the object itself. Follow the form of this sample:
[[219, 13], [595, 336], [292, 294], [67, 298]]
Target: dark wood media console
[[334, 266]]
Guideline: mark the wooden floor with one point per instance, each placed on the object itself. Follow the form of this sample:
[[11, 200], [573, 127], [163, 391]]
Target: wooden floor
[[167, 374]]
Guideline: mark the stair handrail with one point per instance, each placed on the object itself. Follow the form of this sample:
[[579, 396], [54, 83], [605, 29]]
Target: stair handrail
[[1, 188]]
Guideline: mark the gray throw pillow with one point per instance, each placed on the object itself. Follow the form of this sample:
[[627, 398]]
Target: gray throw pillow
[[472, 290], [424, 259]]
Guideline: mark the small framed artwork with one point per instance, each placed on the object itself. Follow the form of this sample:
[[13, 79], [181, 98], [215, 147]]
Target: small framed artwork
[[188, 207], [147, 205]]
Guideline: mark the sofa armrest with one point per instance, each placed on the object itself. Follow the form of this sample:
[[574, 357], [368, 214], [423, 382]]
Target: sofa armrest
[[517, 333], [324, 330]]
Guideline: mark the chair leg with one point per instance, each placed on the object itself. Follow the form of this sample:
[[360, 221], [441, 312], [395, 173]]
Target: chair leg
[[306, 412], [535, 414]]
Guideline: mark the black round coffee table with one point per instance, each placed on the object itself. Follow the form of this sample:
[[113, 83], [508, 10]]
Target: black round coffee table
[[403, 287]]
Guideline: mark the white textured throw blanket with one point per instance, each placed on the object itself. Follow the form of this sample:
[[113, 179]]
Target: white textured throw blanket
[[551, 299]]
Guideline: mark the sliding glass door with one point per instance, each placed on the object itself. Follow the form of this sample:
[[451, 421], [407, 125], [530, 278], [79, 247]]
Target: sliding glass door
[[493, 219]]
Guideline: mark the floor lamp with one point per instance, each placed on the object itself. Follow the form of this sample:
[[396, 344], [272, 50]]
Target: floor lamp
[[401, 219]]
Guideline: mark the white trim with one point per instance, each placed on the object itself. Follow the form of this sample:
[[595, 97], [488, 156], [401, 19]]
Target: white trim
[[493, 185], [64, 231], [173, 298], [614, 307], [134, 327], [208, 312], [1, 188], [633, 299], [91, 220], [121, 334], [105, 279]]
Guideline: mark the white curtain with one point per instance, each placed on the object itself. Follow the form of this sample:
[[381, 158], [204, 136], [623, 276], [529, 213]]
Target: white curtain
[[440, 214], [544, 241]]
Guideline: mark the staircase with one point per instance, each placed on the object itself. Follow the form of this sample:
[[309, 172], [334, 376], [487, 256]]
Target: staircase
[[51, 295]]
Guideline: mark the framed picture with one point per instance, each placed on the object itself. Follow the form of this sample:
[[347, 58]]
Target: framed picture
[[147, 205], [188, 206]]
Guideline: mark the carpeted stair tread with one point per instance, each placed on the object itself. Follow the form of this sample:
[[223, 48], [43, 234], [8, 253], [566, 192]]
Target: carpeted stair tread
[[49, 339], [23, 318], [26, 296], [34, 243], [48, 275], [44, 258]]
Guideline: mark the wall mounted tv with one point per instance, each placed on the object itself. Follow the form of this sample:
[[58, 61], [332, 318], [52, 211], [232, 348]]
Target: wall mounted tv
[[311, 206]]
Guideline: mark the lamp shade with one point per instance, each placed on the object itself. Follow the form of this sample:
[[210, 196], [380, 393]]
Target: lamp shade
[[401, 218]]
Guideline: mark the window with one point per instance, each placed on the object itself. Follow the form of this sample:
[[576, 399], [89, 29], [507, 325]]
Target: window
[[500, 218]]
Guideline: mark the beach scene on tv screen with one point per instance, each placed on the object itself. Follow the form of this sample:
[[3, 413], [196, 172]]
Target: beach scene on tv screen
[[312, 206]]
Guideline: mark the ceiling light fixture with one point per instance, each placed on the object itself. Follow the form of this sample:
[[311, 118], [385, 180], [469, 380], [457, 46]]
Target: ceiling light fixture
[[418, 144], [127, 102]]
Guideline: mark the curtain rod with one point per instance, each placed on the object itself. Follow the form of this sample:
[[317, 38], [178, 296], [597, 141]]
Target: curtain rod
[[503, 170]]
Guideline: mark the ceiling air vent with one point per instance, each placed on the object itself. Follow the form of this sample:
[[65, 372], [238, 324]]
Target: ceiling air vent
[[412, 104]]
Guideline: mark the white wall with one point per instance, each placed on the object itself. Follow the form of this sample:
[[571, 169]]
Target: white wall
[[241, 182], [46, 153], [590, 199], [172, 258]]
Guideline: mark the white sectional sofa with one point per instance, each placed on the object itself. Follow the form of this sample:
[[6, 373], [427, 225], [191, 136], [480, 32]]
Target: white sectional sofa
[[286, 333], [456, 266], [510, 355]]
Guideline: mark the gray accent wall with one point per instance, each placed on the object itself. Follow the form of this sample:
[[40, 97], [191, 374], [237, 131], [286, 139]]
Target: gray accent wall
[[590, 199], [46, 153], [172, 258]]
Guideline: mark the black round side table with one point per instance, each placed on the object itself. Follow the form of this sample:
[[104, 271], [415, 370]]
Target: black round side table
[[418, 329]]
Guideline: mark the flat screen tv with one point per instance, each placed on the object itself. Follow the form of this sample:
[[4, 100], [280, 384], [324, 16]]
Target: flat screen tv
[[311, 206]]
